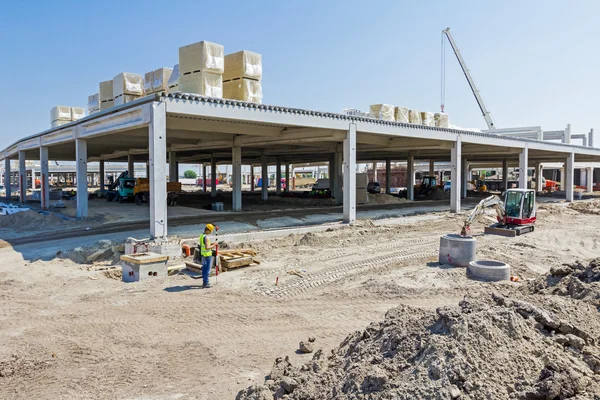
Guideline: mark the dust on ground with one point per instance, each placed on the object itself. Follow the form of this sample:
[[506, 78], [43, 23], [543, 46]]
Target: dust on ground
[[72, 333]]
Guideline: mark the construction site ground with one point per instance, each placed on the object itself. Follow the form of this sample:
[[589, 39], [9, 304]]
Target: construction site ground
[[73, 333]]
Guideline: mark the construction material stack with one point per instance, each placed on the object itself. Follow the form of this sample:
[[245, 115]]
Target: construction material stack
[[93, 103], [173, 82], [427, 118], [362, 180], [414, 117], [127, 87], [441, 120], [401, 114], [157, 81], [242, 77], [61, 115], [382, 111], [201, 67], [106, 95]]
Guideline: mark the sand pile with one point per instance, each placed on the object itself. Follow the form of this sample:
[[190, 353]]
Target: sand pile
[[104, 251], [495, 347], [382, 198], [576, 280], [586, 207], [28, 220]]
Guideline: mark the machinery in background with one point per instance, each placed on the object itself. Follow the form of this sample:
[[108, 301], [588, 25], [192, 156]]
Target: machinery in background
[[428, 185], [120, 189], [141, 192], [516, 215]]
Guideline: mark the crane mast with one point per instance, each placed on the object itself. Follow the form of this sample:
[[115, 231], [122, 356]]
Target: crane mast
[[486, 114]]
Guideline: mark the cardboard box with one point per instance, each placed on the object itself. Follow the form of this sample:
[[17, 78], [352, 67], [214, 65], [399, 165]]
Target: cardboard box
[[202, 83], [244, 90], [60, 113], [106, 104], [441, 120], [93, 103], [243, 64], [161, 79], [127, 83], [401, 114], [382, 111], [77, 113], [202, 57], [148, 82], [414, 117], [427, 118], [125, 98], [106, 91]]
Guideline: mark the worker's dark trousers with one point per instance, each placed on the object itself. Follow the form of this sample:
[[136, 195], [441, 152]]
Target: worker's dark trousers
[[206, 264]]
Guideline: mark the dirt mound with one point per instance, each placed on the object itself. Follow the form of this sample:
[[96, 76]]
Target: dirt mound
[[574, 280], [492, 348], [104, 251], [438, 195], [586, 207], [382, 198], [27, 220]]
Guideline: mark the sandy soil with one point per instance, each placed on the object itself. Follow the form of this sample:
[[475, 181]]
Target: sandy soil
[[70, 333]]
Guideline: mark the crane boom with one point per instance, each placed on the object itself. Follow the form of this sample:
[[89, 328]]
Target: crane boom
[[486, 114]]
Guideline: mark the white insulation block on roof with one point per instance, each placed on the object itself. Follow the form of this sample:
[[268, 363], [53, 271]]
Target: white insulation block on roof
[[414, 117], [93, 103], [173, 82], [202, 83], [105, 105], [243, 89], [106, 90], [125, 98], [77, 113], [148, 82], [382, 111], [401, 114], [441, 120], [243, 64], [161, 79], [427, 118], [60, 113], [128, 83], [202, 57]]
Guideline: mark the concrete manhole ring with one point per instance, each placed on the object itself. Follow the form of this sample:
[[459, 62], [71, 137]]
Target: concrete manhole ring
[[456, 250], [489, 270]]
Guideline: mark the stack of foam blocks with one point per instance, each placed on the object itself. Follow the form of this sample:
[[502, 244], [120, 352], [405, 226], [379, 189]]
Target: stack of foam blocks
[[127, 87], [94, 103], [201, 67], [362, 180], [61, 115], [382, 111], [157, 81], [242, 77], [173, 83], [105, 92]]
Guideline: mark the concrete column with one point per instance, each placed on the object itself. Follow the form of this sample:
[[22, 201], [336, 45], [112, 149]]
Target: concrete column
[[523, 167], [278, 177], [591, 138], [33, 178], [22, 177], [331, 173], [252, 178], [7, 172], [456, 156], [432, 168], [236, 164], [148, 169], [569, 175], [567, 135], [410, 177], [81, 169], [590, 179], [204, 177], [264, 172], [130, 166], [45, 186], [349, 194], [288, 178], [102, 175], [505, 173], [539, 187], [388, 176], [158, 170], [465, 178], [213, 176], [173, 173], [338, 181], [374, 165]]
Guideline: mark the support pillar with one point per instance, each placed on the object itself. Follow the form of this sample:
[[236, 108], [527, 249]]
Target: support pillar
[[338, 181], [331, 173], [374, 165], [81, 169], [465, 178], [591, 138], [130, 166], [523, 168], [236, 165], [569, 175], [432, 168], [264, 172], [505, 174], [410, 177], [102, 175], [44, 184], [278, 178], [252, 178], [158, 168], [213, 176], [148, 169], [388, 176], [349, 160], [539, 169], [288, 178], [173, 173], [22, 177], [33, 187], [590, 179], [456, 156], [567, 135], [7, 182]]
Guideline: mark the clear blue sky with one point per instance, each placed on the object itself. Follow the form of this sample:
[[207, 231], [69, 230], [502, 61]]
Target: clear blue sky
[[536, 62]]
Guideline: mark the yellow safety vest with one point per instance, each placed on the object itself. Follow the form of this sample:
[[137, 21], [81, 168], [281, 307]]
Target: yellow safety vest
[[204, 252]]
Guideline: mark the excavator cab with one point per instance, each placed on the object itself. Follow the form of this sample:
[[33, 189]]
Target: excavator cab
[[519, 206]]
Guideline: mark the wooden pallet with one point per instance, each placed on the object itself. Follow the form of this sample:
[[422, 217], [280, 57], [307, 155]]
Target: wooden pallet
[[237, 258]]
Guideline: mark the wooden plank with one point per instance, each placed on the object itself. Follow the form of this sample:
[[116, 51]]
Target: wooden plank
[[193, 266], [238, 262]]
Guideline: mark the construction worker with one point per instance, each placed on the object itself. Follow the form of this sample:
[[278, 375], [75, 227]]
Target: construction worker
[[206, 253]]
